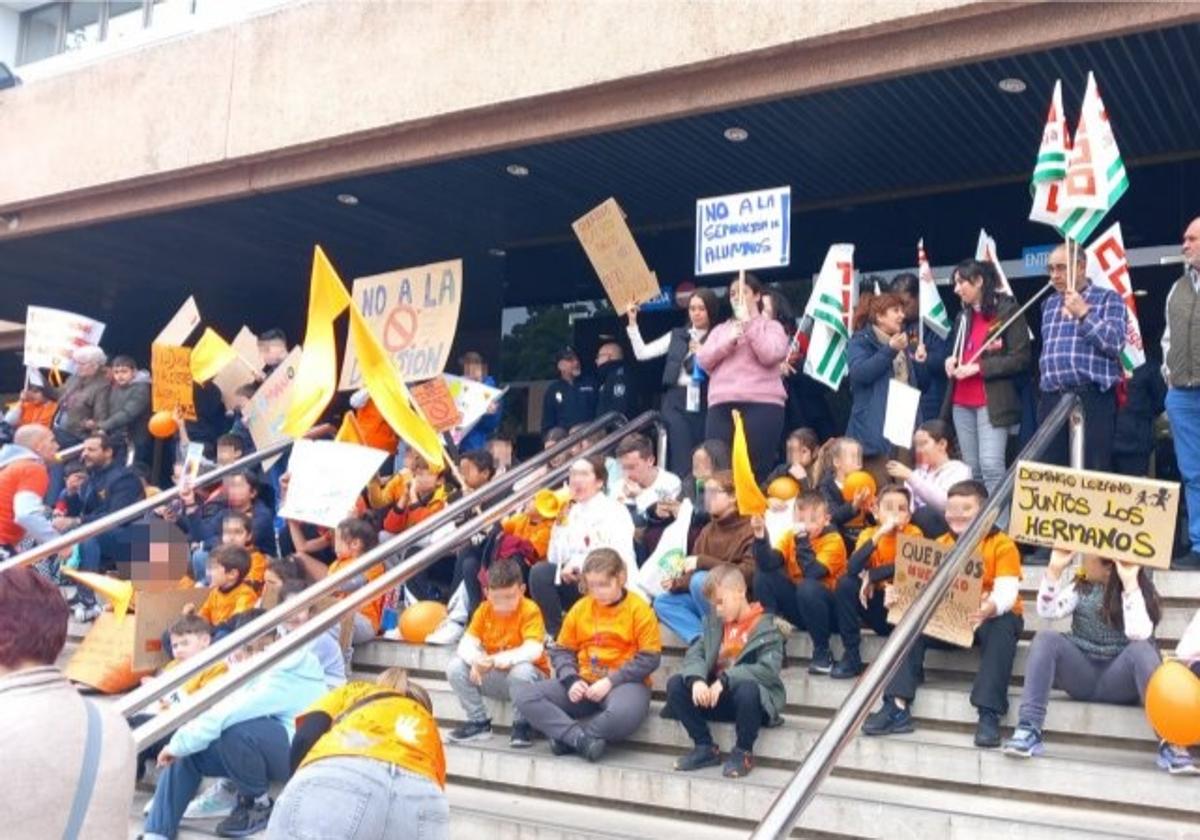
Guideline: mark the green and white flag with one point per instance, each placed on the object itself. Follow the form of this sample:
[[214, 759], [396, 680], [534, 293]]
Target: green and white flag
[[933, 311], [1096, 176], [831, 307], [1050, 170]]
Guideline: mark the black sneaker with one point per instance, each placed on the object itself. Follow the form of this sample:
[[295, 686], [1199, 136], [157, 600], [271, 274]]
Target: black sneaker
[[987, 732], [590, 748], [822, 662], [472, 730], [849, 667], [739, 763], [702, 755], [249, 817], [561, 748], [522, 735], [889, 720]]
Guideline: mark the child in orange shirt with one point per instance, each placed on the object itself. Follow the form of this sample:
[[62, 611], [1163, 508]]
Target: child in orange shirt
[[859, 593], [797, 579], [238, 529], [607, 649], [998, 624], [353, 539], [425, 495], [502, 648], [228, 566]]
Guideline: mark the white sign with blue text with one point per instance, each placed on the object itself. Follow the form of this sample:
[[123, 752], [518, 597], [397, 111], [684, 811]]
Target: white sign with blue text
[[744, 231]]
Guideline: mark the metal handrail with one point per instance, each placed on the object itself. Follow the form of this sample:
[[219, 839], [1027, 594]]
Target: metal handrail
[[800, 790], [504, 484], [193, 704]]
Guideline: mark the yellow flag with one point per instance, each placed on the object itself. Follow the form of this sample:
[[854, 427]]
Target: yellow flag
[[750, 498], [348, 433], [390, 394], [316, 378], [210, 355]]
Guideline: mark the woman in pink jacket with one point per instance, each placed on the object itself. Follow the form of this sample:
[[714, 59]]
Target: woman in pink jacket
[[742, 357]]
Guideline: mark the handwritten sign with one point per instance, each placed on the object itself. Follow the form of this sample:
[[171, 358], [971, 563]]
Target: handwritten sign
[[182, 324], [744, 231], [473, 400], [414, 313], [437, 403], [1114, 516], [52, 335], [326, 478], [171, 379], [265, 412], [614, 254], [916, 562]]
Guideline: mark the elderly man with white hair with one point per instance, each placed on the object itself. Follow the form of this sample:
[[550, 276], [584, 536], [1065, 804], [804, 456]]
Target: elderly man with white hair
[[83, 401]]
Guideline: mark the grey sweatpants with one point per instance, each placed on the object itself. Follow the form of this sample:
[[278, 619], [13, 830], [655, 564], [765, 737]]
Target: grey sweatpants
[[497, 684], [546, 706], [1056, 662]]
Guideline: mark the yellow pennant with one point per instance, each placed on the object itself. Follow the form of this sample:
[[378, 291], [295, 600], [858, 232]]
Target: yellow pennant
[[210, 355], [750, 498], [348, 433]]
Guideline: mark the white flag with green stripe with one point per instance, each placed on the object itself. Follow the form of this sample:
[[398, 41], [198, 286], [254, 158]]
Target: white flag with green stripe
[[1050, 170], [831, 307], [1096, 176], [933, 311]]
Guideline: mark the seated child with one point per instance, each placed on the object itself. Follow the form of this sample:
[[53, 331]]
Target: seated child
[[730, 673], [238, 529], [797, 579], [601, 689], [801, 453], [838, 458], [425, 495], [503, 647], [327, 647], [859, 593], [228, 566], [1107, 657], [998, 627], [353, 539]]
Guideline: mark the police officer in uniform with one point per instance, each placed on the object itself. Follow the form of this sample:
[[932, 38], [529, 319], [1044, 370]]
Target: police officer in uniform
[[616, 387], [570, 400]]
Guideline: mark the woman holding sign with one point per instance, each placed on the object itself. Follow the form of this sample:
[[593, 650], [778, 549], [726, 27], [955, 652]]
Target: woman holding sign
[[684, 382], [742, 358]]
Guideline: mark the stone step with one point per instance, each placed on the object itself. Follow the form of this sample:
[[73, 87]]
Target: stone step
[[634, 780]]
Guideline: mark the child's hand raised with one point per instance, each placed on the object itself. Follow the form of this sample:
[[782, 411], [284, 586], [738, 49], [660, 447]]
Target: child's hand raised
[[1129, 575], [188, 609], [862, 499], [1060, 559], [887, 526], [759, 526]]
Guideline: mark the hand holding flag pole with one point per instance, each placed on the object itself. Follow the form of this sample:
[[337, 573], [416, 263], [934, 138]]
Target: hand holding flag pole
[[995, 332]]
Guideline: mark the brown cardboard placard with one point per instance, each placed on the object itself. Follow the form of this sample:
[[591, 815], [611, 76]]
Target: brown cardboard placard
[[614, 254], [916, 561], [154, 613]]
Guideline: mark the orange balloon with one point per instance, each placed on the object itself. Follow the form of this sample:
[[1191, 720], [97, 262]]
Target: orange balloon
[[419, 620], [1173, 704], [857, 481], [784, 488], [162, 424]]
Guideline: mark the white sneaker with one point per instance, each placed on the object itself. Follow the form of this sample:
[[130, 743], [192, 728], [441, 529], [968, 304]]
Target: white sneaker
[[218, 801], [446, 633], [86, 613]]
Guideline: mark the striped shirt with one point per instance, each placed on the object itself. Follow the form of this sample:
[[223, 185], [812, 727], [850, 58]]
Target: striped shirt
[[1082, 352]]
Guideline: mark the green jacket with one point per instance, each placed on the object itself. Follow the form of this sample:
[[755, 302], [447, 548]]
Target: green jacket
[[760, 661]]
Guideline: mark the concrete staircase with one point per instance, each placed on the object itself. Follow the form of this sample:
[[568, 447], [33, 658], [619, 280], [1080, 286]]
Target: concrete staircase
[[1097, 779]]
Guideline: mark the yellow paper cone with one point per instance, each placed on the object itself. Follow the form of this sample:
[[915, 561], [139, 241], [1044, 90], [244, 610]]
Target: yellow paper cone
[[348, 433], [750, 498], [210, 355], [316, 378], [119, 592]]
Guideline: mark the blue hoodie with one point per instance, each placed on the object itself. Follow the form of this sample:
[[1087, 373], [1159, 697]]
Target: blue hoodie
[[282, 692]]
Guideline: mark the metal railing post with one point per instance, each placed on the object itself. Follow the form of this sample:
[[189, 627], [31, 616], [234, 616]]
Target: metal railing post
[[1075, 436]]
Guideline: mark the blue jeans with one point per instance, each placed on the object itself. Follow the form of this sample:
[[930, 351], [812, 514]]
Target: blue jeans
[[1183, 410], [252, 754], [684, 612], [983, 445], [200, 565]]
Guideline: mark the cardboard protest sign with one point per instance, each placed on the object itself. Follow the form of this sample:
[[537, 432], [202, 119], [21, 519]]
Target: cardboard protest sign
[[326, 478], [245, 344], [51, 335], [744, 231], [171, 379], [265, 413], [437, 403], [916, 562], [231, 377], [1114, 516], [473, 400], [154, 613], [414, 314], [614, 255], [182, 324]]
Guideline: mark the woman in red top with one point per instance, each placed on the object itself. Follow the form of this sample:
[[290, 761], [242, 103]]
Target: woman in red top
[[982, 393]]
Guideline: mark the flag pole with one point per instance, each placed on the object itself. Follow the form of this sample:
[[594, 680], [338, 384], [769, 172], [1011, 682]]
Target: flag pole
[[993, 334]]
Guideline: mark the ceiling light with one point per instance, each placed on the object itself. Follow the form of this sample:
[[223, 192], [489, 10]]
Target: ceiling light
[[517, 170], [496, 252], [348, 199], [736, 134], [1011, 85]]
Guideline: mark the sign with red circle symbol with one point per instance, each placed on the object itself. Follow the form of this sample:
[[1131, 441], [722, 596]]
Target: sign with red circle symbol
[[437, 403], [400, 328]]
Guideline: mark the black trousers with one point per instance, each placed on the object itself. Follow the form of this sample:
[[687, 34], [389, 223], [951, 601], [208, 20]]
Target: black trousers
[[851, 615], [1099, 425], [809, 605], [764, 431], [740, 705], [996, 639], [685, 430], [553, 599]]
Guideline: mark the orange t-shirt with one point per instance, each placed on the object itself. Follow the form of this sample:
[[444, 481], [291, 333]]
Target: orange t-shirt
[[606, 636], [398, 521], [498, 633], [258, 568], [42, 415], [885, 552], [1000, 559], [27, 475], [372, 610], [735, 636], [220, 606], [829, 548]]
